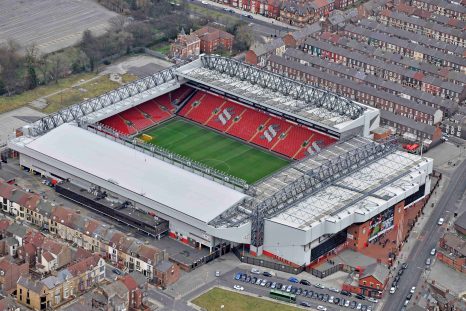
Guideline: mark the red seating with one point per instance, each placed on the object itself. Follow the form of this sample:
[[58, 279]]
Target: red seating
[[137, 118], [275, 125], [202, 107], [181, 93], [157, 112], [116, 122]]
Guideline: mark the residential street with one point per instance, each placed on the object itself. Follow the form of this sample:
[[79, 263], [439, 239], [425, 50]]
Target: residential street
[[428, 238]]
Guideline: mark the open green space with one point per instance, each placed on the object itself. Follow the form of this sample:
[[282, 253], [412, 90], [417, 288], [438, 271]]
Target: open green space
[[231, 301], [215, 150]]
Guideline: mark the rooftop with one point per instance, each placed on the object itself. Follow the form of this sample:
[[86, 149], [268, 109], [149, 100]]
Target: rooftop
[[145, 176]]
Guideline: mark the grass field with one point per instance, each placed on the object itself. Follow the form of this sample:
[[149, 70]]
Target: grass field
[[231, 301], [215, 150]]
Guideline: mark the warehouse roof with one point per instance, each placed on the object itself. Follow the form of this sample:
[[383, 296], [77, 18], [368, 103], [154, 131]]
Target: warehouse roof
[[141, 174]]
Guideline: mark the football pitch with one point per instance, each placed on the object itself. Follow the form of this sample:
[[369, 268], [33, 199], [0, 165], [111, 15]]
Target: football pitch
[[215, 150]]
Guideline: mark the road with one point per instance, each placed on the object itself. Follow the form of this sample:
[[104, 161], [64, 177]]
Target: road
[[429, 237], [260, 24]]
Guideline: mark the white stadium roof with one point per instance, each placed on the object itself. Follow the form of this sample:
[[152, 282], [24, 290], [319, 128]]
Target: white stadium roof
[[135, 171]]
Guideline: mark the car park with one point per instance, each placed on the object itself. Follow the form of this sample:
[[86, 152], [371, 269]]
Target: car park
[[413, 289], [293, 280], [372, 300], [346, 293], [305, 282], [237, 287], [255, 271], [433, 251]]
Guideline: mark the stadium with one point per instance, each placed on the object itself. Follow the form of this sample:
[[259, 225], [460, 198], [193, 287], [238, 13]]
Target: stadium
[[230, 154]]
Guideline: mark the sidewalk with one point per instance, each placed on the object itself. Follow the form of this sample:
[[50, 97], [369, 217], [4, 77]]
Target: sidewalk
[[255, 16], [405, 252]]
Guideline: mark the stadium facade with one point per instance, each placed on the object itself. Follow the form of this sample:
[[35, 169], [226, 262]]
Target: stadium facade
[[338, 183]]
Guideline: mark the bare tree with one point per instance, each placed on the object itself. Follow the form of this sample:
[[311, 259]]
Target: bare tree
[[117, 23], [31, 61], [11, 64], [43, 67], [57, 67]]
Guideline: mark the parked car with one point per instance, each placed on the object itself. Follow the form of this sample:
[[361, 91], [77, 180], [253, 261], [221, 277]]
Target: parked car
[[346, 293], [263, 282], [347, 303], [326, 297], [305, 304], [248, 279], [330, 300], [237, 287], [299, 291], [333, 289], [359, 296], [318, 285], [428, 261], [400, 272], [284, 287], [336, 300], [392, 290], [255, 271], [116, 271], [267, 274], [372, 300], [409, 296], [278, 286], [259, 281], [440, 221], [293, 290], [304, 293], [359, 306], [293, 280], [238, 275], [353, 304], [406, 303], [250, 16], [364, 308], [288, 289], [321, 308], [395, 284], [413, 289], [404, 265], [253, 280], [305, 282], [433, 251], [244, 277]]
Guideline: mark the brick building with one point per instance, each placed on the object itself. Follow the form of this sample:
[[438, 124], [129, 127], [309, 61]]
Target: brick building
[[452, 251], [10, 271], [185, 46], [212, 39]]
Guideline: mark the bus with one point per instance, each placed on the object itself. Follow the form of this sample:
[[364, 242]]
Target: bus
[[283, 296]]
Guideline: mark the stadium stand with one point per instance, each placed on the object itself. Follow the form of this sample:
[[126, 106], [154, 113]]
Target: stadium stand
[[259, 128], [149, 113], [121, 125]]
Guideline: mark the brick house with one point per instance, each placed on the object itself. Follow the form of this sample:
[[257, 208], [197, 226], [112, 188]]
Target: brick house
[[212, 38], [259, 53], [167, 273], [10, 272], [452, 251], [136, 284], [185, 46], [373, 279]]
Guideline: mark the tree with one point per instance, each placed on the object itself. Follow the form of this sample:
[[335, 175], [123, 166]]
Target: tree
[[57, 69], [31, 61], [90, 46], [11, 64], [243, 38], [117, 23], [42, 66]]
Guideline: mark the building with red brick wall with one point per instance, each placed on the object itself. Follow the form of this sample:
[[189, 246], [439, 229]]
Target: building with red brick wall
[[460, 224], [212, 38], [185, 46], [136, 283], [167, 273], [452, 251], [10, 272], [373, 280]]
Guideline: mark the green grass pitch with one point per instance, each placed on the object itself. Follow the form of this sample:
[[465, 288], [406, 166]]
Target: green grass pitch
[[215, 150]]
